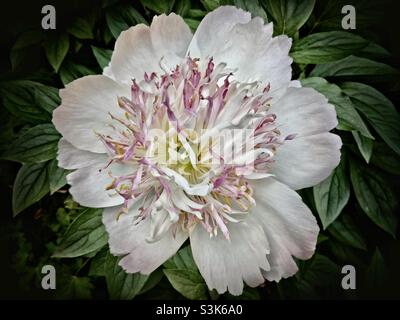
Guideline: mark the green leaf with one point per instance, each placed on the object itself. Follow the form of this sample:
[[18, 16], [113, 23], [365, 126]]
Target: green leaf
[[182, 7], [196, 14], [183, 259], [122, 285], [192, 23], [365, 145], [20, 57], [188, 283], [154, 278], [98, 263], [329, 15], [321, 238], [73, 287], [56, 49], [210, 5], [345, 254], [346, 231], [376, 270], [85, 234], [121, 17], [289, 15], [378, 110], [46, 97], [37, 144], [332, 195], [182, 273], [353, 66], [348, 117], [314, 274], [98, 268], [21, 98], [158, 6], [103, 56], [374, 51], [28, 38], [57, 176], [385, 159], [374, 196], [325, 47], [31, 185], [77, 45], [26, 47], [71, 71], [252, 6], [81, 28]]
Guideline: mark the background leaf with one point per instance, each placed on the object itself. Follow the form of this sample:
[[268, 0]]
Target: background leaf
[[187, 282], [56, 49], [364, 144], [85, 234], [289, 15], [71, 286], [325, 47], [81, 28], [378, 110], [353, 66], [346, 231], [374, 196], [103, 56], [46, 97], [385, 159], [71, 71], [348, 117], [122, 285], [182, 273], [25, 100], [37, 144], [31, 185], [252, 6], [158, 6], [332, 195], [121, 18], [57, 176]]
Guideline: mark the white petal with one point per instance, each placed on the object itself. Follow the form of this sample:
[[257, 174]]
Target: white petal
[[140, 48], [214, 27], [289, 225], [229, 35], [226, 264], [70, 157], [88, 185], [85, 104], [304, 112], [306, 161], [127, 238]]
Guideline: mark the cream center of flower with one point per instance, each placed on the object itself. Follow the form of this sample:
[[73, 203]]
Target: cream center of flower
[[194, 137]]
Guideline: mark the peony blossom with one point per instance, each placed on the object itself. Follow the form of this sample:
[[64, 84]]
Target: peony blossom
[[203, 137]]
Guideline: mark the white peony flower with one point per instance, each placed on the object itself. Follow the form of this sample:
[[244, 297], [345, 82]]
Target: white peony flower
[[136, 138]]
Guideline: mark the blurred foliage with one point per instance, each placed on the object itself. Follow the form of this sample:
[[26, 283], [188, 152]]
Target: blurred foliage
[[356, 206]]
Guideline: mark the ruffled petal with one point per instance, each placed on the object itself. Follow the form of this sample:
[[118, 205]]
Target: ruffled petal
[[89, 184], [226, 264], [289, 225], [303, 112], [306, 161], [130, 239], [84, 110], [70, 157], [229, 35], [143, 49]]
